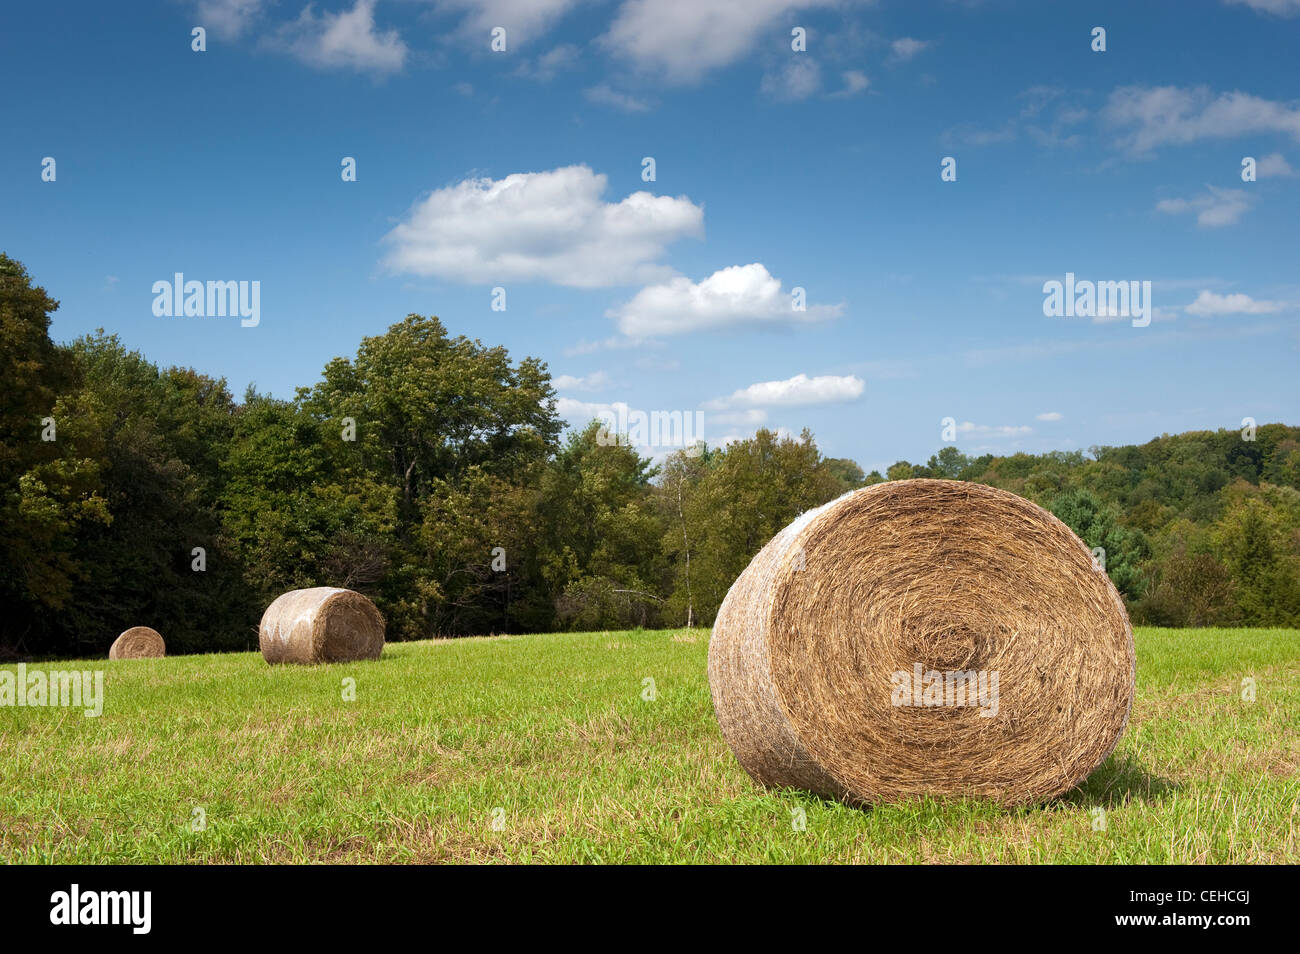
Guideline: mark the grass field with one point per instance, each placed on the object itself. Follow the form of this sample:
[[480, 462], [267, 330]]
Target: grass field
[[543, 749]]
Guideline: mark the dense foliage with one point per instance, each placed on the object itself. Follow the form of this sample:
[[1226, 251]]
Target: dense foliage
[[430, 472]]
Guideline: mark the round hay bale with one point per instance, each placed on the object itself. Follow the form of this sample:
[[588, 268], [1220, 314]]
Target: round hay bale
[[319, 625], [138, 642], [842, 658]]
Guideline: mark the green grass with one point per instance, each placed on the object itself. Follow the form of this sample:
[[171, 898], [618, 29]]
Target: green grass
[[553, 732]]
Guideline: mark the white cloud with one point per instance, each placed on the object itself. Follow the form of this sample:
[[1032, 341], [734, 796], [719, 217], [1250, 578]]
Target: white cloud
[[904, 48], [227, 18], [1208, 303], [596, 381], [524, 20], [549, 64], [1153, 116], [993, 431], [1273, 165], [736, 295], [798, 391], [1050, 416], [581, 412], [855, 81], [1214, 208], [1037, 98], [681, 40], [799, 78], [604, 95], [541, 226], [344, 40], [1281, 8]]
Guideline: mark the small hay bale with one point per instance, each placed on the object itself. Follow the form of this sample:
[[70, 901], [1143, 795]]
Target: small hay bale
[[320, 625], [825, 652], [138, 642]]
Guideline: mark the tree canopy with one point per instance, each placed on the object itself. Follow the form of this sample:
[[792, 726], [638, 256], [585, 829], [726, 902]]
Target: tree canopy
[[432, 473]]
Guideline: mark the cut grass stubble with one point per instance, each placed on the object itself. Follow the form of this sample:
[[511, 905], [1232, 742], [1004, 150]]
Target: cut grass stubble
[[553, 748]]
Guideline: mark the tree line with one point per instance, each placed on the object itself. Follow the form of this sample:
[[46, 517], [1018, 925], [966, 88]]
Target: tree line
[[432, 473]]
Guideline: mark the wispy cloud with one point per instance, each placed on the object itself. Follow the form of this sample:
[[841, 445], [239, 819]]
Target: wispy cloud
[[683, 40], [905, 48], [228, 19], [1148, 117], [344, 40], [1281, 8], [798, 78], [603, 94], [596, 381], [1273, 165], [1214, 208], [1208, 303], [524, 21]]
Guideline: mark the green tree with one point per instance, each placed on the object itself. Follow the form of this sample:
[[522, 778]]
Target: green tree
[[600, 532], [1098, 525]]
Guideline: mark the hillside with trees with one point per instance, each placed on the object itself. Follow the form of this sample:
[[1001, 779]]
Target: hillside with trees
[[432, 473]]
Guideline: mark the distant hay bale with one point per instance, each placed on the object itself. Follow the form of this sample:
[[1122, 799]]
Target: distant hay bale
[[320, 625], [847, 658], [138, 642]]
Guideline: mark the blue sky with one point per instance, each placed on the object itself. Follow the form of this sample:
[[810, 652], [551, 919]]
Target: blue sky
[[774, 169]]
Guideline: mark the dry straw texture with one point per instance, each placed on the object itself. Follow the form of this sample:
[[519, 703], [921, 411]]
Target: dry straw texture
[[812, 641], [138, 642], [320, 625]]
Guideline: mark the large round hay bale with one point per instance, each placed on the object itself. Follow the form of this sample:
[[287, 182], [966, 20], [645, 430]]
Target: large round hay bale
[[842, 657], [138, 642], [319, 625]]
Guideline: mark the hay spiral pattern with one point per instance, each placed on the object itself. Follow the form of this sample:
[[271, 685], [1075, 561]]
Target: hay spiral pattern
[[824, 654], [138, 642]]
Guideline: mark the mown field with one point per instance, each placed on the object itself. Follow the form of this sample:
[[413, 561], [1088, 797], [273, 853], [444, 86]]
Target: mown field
[[545, 749]]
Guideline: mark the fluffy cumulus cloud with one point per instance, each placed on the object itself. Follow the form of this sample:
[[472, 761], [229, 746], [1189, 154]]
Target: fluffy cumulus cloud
[[798, 391], [541, 226], [740, 295], [1209, 304], [1214, 207], [1148, 117], [682, 40], [1051, 416], [344, 40]]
